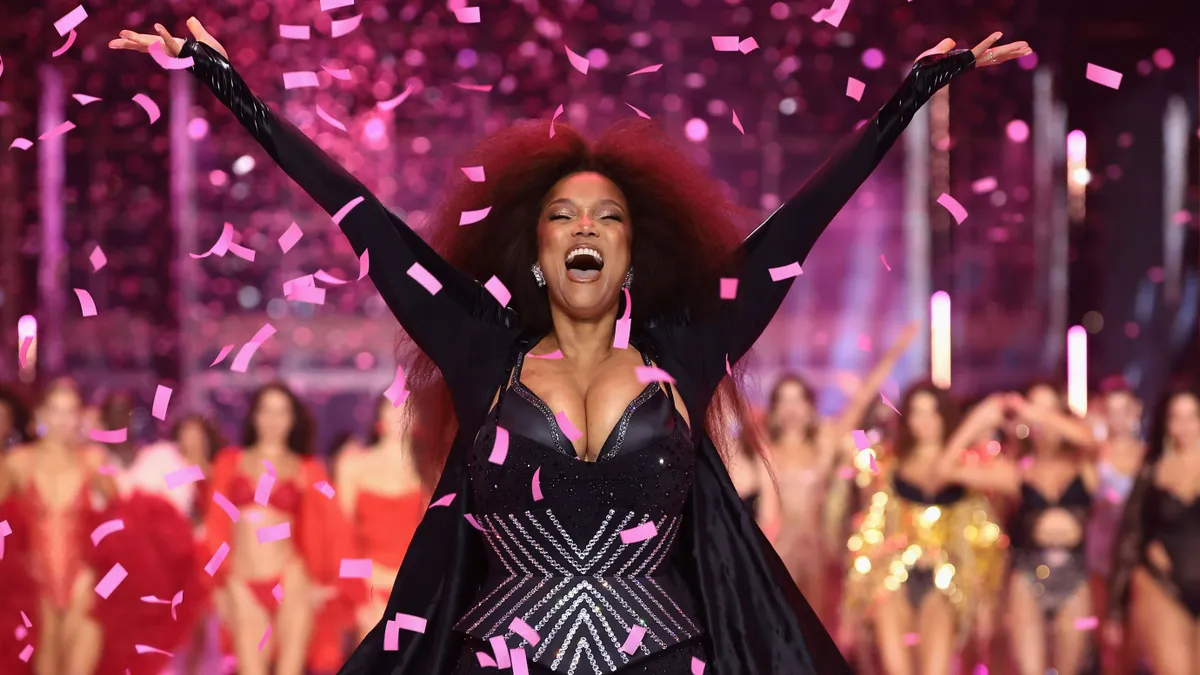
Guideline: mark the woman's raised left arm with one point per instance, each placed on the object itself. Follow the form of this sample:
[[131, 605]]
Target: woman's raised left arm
[[787, 236]]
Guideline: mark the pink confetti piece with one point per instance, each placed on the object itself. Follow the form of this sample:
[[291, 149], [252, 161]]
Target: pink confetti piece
[[444, 500], [557, 111], [25, 619], [911, 639], [277, 593], [569, 430], [20, 144], [396, 393], [832, 15], [84, 99], [474, 173], [290, 237], [578, 62], [345, 210], [1087, 622], [643, 71], [498, 291], [262, 491], [520, 666], [728, 370], [66, 45], [148, 649], [242, 360], [149, 106], [354, 568], [738, 123], [26, 653], [748, 45], [300, 79], [98, 259], [241, 252], [262, 642], [785, 272], [109, 435], [499, 447], [537, 484], [951, 204], [640, 533], [423, 277], [215, 561], [345, 26], [864, 342], [410, 623], [23, 355], [364, 265], [227, 506], [273, 533], [473, 87], [1104, 76], [885, 262], [330, 119], [728, 288], [391, 636], [501, 652], [860, 439], [621, 334], [467, 14], [293, 285], [179, 477], [309, 294], [984, 185], [639, 112], [338, 73], [162, 398], [474, 523], [70, 20], [725, 43], [472, 217], [292, 32], [106, 528], [325, 488], [221, 355], [158, 52], [634, 639], [57, 131], [20, 633], [108, 470], [327, 5], [394, 101], [697, 666], [524, 630], [485, 660], [556, 354], [648, 374], [855, 88], [221, 247], [111, 580]]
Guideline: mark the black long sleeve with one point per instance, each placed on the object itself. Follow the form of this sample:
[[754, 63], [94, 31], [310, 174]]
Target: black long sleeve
[[443, 325], [1131, 540], [789, 234]]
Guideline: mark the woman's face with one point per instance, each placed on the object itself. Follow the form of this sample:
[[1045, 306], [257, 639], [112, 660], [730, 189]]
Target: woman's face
[[61, 415], [925, 420], [391, 421], [584, 240], [193, 442], [793, 410], [1183, 421], [1045, 399], [273, 418], [1122, 413]]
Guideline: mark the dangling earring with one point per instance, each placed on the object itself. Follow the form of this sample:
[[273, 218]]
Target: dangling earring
[[628, 279], [538, 276]]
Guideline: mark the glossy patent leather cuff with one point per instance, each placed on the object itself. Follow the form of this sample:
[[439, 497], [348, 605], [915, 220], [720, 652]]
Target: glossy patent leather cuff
[[928, 75], [218, 74]]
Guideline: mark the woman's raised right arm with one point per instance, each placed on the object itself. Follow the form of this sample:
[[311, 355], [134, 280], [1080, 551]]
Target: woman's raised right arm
[[443, 323]]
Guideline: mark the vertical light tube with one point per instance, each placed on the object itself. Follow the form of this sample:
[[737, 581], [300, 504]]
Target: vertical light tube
[[27, 328], [939, 339], [1077, 394], [52, 171], [1078, 176]]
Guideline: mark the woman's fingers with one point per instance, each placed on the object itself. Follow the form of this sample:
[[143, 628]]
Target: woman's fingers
[[202, 35], [139, 42], [171, 45], [986, 44]]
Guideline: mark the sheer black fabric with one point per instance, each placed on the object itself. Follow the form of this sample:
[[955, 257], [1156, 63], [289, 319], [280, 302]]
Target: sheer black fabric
[[752, 618]]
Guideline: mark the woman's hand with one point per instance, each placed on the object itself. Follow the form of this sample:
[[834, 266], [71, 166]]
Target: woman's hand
[[985, 53], [141, 42]]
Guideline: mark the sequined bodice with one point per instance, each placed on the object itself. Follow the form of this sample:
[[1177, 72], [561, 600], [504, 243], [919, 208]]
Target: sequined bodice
[[581, 567]]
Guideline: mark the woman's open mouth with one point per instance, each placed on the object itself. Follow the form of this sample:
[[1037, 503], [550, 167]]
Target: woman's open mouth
[[584, 264]]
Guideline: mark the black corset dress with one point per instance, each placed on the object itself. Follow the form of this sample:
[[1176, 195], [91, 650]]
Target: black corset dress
[[592, 555]]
